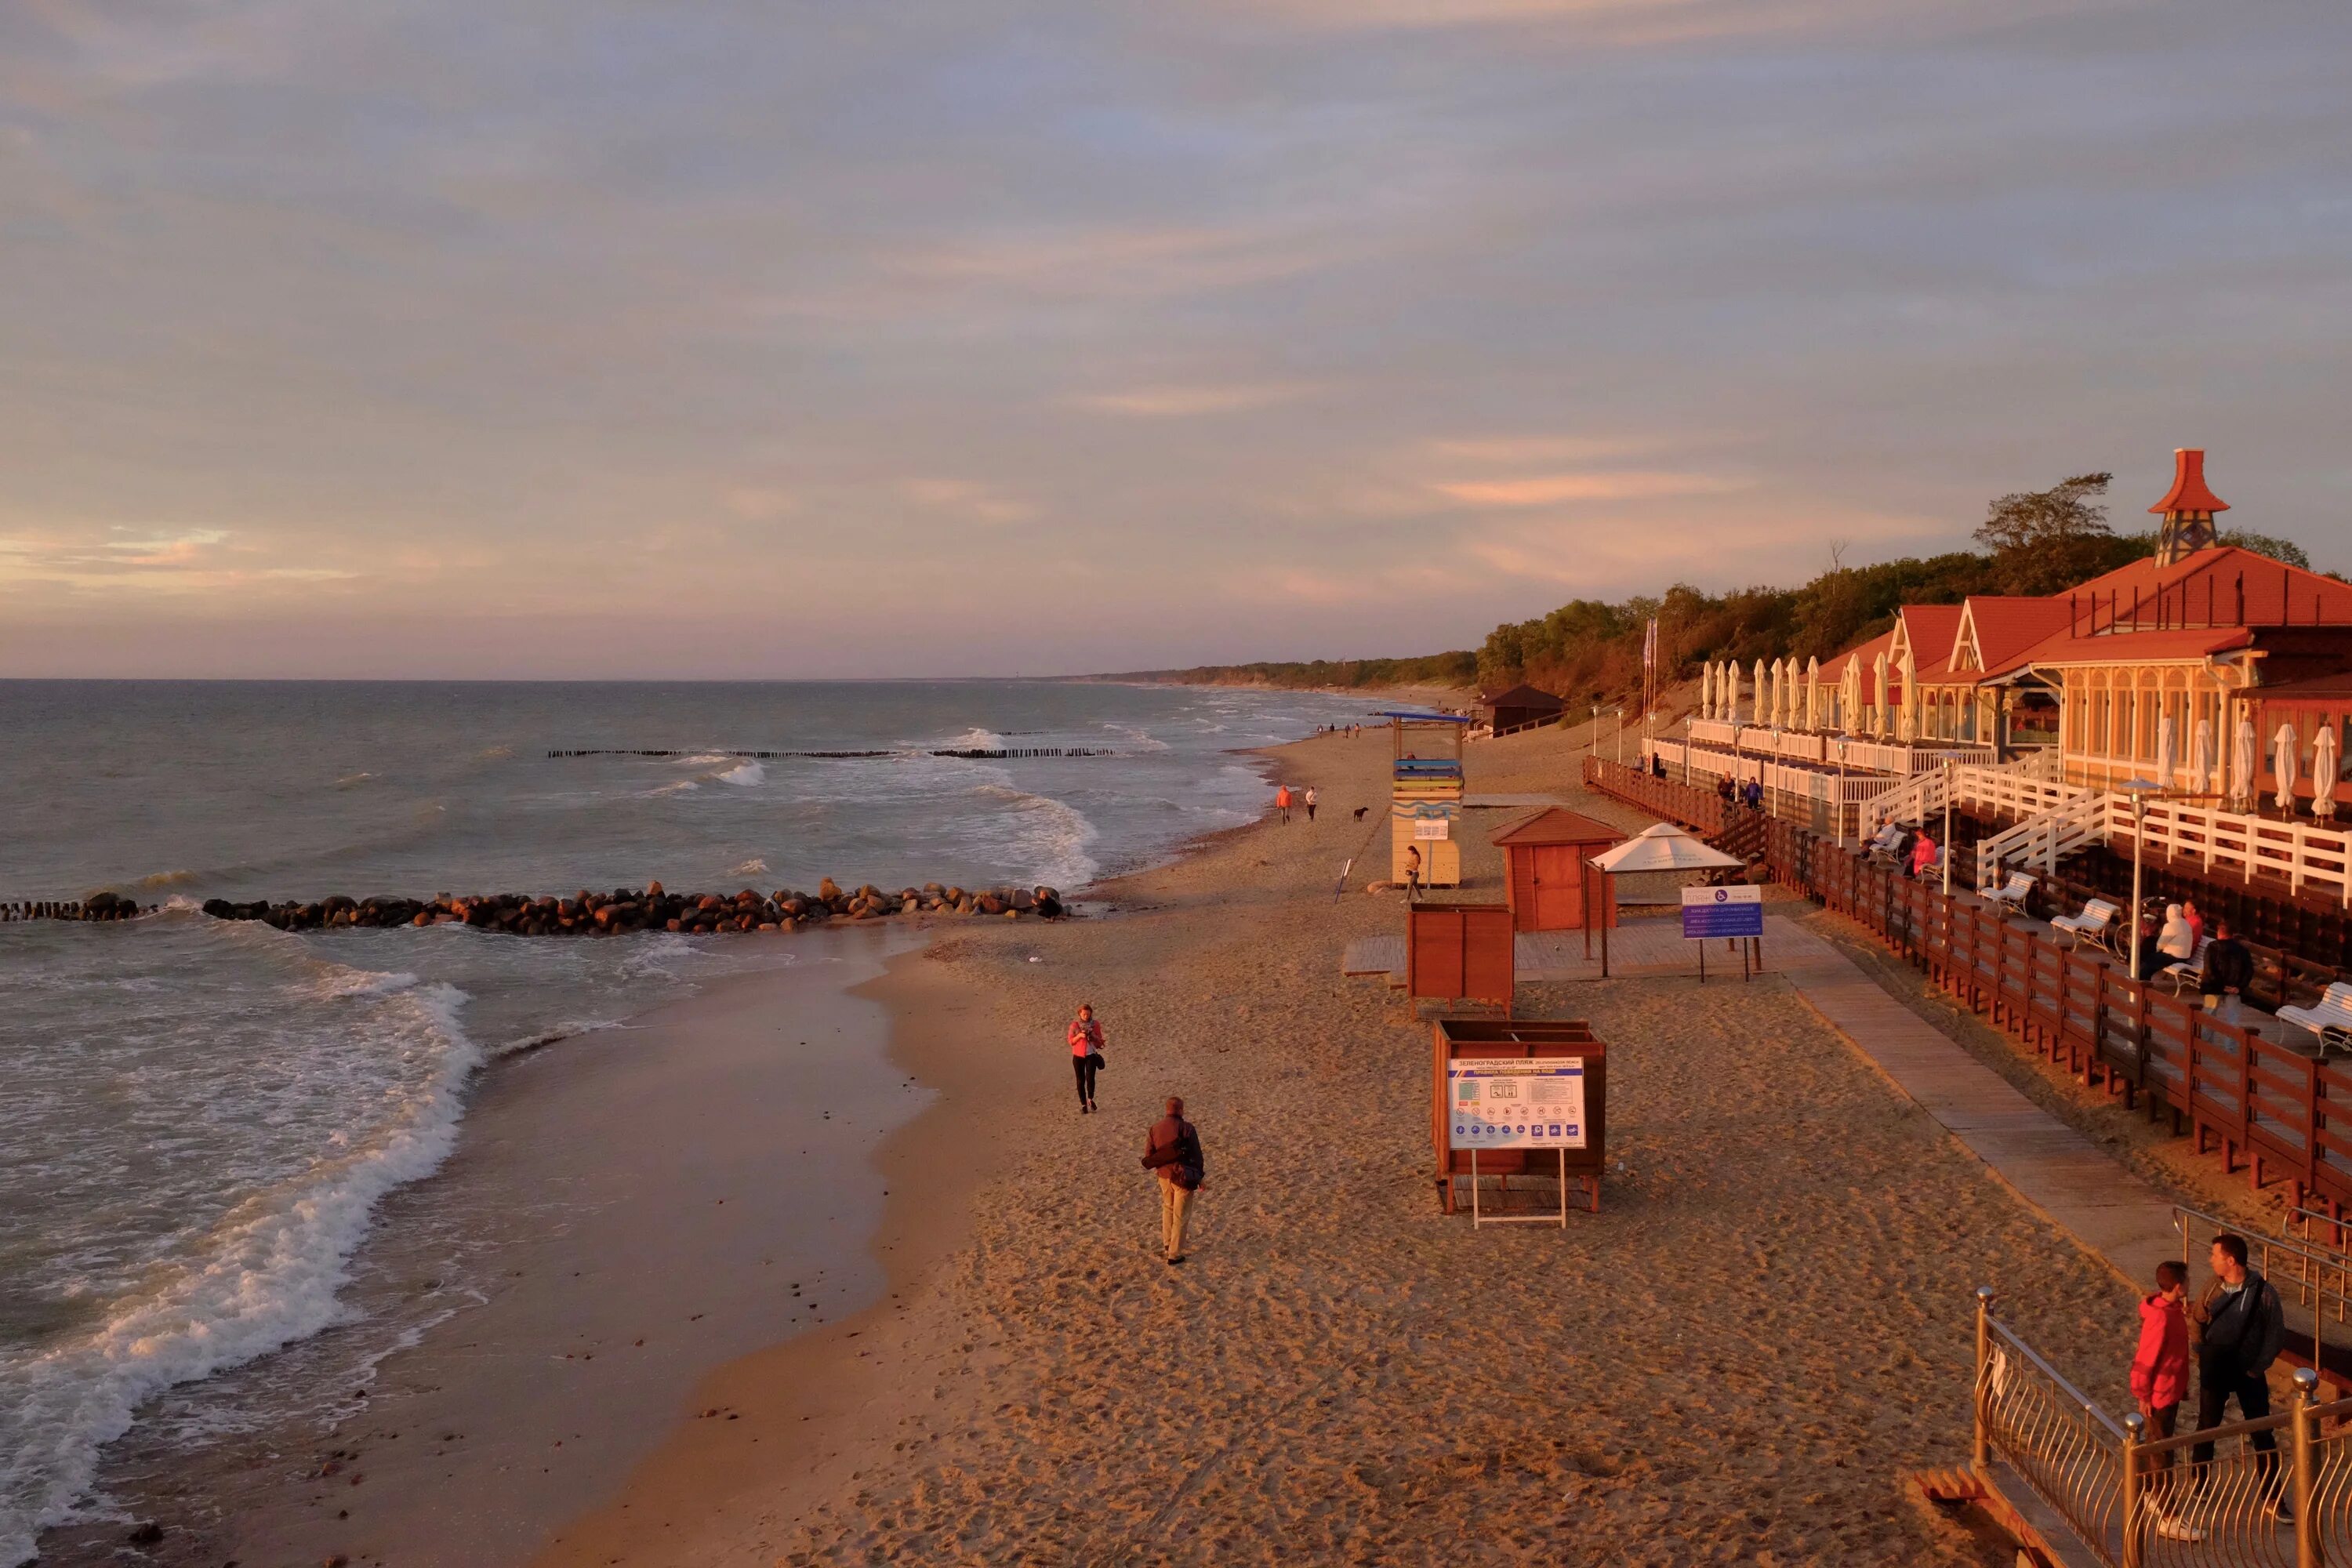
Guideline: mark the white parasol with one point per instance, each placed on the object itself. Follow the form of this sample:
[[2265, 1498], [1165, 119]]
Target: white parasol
[[1878, 676], [2323, 773], [1850, 696], [2243, 757], [1707, 692], [1665, 848], [2167, 751], [2200, 758], [1813, 694], [1910, 696], [2286, 752], [1731, 691], [1756, 702]]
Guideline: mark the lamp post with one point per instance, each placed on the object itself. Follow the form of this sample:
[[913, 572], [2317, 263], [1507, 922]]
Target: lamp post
[[1840, 805], [1687, 749], [1947, 828], [1620, 734], [2139, 790], [1595, 736]]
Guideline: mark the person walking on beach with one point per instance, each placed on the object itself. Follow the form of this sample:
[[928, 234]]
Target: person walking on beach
[[1086, 1055], [1308, 800], [2238, 1327], [2160, 1377], [1411, 872], [1282, 804], [1171, 1151]]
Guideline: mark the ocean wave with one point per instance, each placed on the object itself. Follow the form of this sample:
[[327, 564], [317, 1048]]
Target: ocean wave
[[744, 774], [972, 740], [165, 879], [266, 1275], [754, 867], [680, 787], [343, 982], [1053, 836], [705, 759]]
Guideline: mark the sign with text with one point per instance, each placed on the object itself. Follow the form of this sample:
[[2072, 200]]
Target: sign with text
[[1723, 911], [1432, 827], [1516, 1102]]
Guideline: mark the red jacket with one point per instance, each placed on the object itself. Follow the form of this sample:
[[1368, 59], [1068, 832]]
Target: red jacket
[[2160, 1371]]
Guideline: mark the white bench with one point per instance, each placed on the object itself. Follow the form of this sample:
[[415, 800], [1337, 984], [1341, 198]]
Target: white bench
[[1886, 844], [2012, 892], [2331, 1020], [2091, 925], [2182, 971]]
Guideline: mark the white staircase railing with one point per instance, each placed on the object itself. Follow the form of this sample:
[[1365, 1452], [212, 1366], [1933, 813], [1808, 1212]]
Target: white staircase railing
[[2042, 840], [1915, 800]]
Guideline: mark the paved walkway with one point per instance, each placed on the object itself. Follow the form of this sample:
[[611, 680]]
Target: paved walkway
[[2052, 1166]]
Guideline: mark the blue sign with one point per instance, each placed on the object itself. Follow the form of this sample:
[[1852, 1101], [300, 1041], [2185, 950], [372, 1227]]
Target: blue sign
[[1723, 911]]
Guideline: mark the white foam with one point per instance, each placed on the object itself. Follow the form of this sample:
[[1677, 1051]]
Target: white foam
[[266, 1276], [744, 774], [680, 787], [165, 879], [752, 867], [976, 740], [1052, 836]]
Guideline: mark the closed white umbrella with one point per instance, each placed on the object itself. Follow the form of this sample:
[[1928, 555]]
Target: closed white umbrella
[[2286, 752], [1756, 702], [1910, 696], [2200, 758], [1731, 691], [1789, 703], [1882, 724], [1813, 694], [1707, 692], [1850, 696], [2244, 751], [2167, 751], [2323, 773]]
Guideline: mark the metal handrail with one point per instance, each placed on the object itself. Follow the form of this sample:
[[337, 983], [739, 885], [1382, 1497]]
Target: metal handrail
[[2321, 1276]]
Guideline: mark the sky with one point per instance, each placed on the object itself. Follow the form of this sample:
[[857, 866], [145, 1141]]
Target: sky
[[575, 338]]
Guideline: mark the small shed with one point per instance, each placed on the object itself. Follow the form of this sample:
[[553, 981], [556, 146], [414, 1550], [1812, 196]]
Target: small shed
[[1550, 888], [1520, 707]]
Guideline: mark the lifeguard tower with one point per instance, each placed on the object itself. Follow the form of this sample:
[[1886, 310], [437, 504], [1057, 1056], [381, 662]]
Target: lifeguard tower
[[1425, 795]]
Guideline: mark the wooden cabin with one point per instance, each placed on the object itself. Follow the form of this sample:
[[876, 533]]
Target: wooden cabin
[[1551, 889]]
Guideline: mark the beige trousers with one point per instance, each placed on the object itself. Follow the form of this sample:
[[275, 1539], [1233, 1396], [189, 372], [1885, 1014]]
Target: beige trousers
[[1175, 1203]]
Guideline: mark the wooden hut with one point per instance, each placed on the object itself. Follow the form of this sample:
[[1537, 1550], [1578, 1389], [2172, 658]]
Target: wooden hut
[[1549, 886], [1521, 707]]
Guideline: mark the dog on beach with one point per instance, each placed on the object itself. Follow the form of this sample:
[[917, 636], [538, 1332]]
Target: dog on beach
[[1360, 812]]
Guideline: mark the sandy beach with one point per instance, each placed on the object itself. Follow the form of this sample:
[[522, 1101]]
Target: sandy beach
[[1733, 1362]]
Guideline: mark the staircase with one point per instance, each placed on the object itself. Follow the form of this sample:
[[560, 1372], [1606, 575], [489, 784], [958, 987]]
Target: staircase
[[2042, 840]]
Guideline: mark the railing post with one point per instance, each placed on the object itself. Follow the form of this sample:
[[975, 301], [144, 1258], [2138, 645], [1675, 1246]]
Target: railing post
[[1981, 1455], [2135, 1433], [2306, 1469]]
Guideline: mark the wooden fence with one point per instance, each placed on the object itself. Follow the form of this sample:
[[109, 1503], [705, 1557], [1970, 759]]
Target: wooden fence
[[2253, 1100]]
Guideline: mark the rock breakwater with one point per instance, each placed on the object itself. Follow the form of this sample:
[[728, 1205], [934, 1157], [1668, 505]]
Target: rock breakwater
[[97, 906], [650, 908]]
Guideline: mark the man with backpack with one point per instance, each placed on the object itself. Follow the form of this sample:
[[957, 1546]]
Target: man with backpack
[[1172, 1152], [2236, 1328]]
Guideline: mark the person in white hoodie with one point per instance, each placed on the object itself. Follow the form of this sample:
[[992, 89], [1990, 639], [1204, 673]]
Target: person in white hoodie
[[2177, 940]]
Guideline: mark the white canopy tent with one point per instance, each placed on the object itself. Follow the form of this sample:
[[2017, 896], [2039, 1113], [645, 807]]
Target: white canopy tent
[[1665, 848]]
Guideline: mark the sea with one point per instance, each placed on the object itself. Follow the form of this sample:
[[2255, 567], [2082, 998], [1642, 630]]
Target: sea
[[199, 1119]]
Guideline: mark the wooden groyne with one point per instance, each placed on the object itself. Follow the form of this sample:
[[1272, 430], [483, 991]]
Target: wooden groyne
[[649, 908], [97, 906], [968, 753]]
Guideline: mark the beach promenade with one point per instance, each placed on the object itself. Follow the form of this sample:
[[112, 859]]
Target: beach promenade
[[1735, 1361]]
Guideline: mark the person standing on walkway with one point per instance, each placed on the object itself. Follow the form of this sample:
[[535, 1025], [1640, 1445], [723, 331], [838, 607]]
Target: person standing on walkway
[[2160, 1377], [2228, 970], [1282, 803], [1309, 803], [1411, 872], [1171, 1151], [1086, 1055], [2238, 1327]]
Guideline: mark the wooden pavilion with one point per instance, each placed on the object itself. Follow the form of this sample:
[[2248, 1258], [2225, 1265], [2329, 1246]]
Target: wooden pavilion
[[1550, 888]]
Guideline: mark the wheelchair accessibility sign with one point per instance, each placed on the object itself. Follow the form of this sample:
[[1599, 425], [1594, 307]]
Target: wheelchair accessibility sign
[[1732, 912]]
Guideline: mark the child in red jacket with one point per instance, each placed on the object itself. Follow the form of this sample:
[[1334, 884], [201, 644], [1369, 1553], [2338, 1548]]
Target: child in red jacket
[[2160, 1377]]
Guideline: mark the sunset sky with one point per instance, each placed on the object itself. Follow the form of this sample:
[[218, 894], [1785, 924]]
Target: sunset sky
[[901, 337]]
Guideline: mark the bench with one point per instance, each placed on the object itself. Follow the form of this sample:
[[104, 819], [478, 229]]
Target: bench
[[2011, 894], [2091, 925], [2183, 971], [2330, 1018]]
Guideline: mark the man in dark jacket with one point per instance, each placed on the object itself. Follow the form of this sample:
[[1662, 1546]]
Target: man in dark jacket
[[2228, 970], [1172, 1152], [2236, 1328]]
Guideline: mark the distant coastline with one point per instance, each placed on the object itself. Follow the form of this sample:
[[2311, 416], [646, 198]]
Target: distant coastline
[[1432, 676]]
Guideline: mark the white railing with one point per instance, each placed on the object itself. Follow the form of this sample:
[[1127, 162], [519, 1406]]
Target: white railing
[[1811, 783], [2009, 792], [2298, 854], [1714, 731], [1914, 799], [2042, 840]]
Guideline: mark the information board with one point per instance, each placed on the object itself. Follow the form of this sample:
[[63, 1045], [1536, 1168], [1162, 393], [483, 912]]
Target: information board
[[1516, 1102], [1432, 827], [1723, 911]]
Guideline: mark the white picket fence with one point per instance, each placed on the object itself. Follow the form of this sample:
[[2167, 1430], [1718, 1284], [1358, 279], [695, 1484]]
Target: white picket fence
[[2303, 856]]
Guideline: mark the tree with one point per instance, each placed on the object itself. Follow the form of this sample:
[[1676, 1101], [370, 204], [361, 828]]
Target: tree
[[2277, 549], [2043, 542]]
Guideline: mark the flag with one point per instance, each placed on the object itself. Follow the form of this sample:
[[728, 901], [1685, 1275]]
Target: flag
[[1649, 664]]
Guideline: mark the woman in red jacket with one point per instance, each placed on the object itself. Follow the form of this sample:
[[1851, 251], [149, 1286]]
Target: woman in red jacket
[[1085, 1054], [2159, 1378]]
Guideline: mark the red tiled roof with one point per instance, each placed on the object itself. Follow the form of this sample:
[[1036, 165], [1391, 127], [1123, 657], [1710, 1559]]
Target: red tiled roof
[[2129, 647], [1833, 668], [1930, 630], [2189, 492], [2202, 587], [1558, 825], [2007, 625]]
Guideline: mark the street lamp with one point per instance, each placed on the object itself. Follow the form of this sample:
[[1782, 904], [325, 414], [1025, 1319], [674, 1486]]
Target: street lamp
[[1686, 750], [1620, 734], [2139, 790]]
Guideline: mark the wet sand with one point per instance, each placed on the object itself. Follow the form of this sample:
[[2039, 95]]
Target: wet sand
[[627, 1210], [1734, 1362]]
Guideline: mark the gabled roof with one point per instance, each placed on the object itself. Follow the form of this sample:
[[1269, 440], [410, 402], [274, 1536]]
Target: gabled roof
[[1833, 670], [1558, 825], [2004, 627], [2202, 588], [1928, 631], [1525, 696]]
